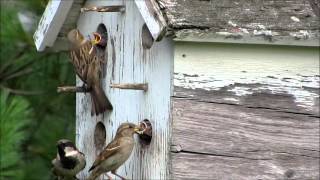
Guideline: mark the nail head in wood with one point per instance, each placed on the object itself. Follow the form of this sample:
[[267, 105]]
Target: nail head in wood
[[130, 86], [104, 9]]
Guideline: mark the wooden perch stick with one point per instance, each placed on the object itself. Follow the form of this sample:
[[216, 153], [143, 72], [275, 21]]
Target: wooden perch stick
[[130, 86], [104, 9], [81, 89]]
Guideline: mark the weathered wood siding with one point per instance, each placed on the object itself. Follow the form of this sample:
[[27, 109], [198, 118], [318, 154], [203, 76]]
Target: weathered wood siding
[[245, 112], [293, 22], [128, 62]]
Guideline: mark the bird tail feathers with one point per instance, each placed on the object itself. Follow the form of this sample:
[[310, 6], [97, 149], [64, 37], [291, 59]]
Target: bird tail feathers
[[100, 102]]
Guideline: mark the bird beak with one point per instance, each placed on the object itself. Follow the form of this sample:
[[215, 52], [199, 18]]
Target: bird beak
[[96, 39], [138, 130]]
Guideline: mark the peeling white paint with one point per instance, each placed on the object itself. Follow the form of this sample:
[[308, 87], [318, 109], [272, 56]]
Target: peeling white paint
[[249, 69], [295, 19], [262, 32], [261, 26], [244, 30], [231, 99], [241, 91], [302, 34], [224, 33], [232, 24]]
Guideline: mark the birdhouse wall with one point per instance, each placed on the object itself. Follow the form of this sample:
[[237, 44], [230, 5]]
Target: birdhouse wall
[[126, 61]]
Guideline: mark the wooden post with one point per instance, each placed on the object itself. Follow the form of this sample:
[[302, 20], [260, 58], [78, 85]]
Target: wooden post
[[128, 61]]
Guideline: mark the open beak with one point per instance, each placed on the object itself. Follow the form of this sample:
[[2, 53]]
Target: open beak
[[138, 130], [96, 39]]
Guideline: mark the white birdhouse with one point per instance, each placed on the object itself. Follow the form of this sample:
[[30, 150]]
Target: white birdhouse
[[136, 54]]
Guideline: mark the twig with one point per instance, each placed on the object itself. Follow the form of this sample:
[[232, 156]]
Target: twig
[[104, 9], [130, 86], [21, 92], [81, 89]]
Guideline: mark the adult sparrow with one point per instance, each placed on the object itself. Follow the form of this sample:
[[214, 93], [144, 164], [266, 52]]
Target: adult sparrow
[[88, 66], [116, 153], [69, 161]]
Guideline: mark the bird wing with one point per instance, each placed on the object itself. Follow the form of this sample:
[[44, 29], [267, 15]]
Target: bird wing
[[81, 59], [112, 148]]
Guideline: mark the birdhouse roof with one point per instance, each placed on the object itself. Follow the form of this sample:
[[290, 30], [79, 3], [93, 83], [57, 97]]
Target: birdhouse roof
[[293, 22], [240, 21]]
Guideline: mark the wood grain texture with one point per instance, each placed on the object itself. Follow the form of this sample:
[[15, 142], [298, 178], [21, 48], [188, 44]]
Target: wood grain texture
[[293, 22], [128, 62], [219, 141], [245, 112], [243, 21]]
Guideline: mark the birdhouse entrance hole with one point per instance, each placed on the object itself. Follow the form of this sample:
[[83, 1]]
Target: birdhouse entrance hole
[[146, 137], [102, 31], [99, 135], [147, 39]]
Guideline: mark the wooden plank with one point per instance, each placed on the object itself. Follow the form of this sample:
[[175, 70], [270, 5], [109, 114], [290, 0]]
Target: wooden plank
[[293, 22], [193, 166], [237, 142], [281, 78], [153, 17], [245, 112], [128, 62], [51, 23]]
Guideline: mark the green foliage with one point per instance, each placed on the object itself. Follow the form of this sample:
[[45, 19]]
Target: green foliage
[[35, 76], [15, 117], [36, 5]]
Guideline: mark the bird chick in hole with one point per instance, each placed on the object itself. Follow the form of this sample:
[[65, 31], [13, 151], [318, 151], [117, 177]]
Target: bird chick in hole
[[69, 161], [117, 151]]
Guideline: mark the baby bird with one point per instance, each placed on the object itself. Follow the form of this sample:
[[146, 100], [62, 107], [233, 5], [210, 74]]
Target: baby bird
[[69, 161], [88, 66], [116, 153]]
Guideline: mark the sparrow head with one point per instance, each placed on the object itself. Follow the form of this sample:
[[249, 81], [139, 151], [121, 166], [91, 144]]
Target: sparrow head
[[75, 37], [128, 129], [65, 147]]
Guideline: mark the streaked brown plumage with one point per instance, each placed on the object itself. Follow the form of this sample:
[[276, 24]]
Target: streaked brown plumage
[[116, 153], [88, 66]]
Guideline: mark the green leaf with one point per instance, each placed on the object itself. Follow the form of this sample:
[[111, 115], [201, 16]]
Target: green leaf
[[15, 118]]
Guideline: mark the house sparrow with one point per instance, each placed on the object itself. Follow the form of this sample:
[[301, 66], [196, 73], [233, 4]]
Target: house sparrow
[[69, 161], [116, 152], [88, 66]]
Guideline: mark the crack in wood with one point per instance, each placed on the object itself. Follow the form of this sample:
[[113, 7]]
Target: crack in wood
[[220, 155], [234, 156], [250, 107], [294, 154]]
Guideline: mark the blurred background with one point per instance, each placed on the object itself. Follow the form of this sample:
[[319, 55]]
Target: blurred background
[[33, 116]]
